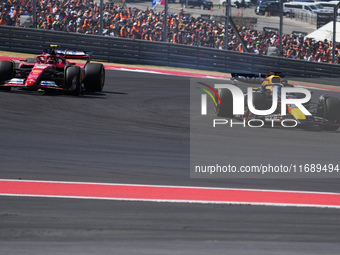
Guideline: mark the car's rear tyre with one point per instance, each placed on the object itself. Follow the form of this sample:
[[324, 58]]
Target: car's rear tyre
[[330, 110], [226, 108], [72, 80], [94, 77]]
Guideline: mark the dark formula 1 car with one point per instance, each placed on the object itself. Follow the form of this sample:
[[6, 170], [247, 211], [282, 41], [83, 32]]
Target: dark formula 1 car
[[51, 71], [325, 113]]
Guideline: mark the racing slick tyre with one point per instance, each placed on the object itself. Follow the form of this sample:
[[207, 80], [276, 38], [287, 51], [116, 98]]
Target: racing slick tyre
[[94, 77], [72, 80], [226, 108], [330, 110], [6, 73]]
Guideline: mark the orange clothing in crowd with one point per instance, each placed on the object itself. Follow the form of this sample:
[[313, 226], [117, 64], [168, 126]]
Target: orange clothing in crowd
[[123, 32]]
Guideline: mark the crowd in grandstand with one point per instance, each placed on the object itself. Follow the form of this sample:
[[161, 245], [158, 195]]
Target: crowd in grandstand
[[83, 16]]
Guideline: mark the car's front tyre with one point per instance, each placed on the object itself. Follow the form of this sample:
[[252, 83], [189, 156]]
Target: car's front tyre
[[6, 73], [329, 109], [72, 80]]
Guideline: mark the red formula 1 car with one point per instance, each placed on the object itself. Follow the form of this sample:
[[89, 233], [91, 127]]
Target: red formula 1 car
[[51, 71]]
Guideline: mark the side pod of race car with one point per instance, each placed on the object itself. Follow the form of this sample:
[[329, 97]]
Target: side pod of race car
[[51, 71], [325, 113]]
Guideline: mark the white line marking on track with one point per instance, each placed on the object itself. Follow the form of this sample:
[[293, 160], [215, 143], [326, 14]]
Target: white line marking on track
[[168, 194]]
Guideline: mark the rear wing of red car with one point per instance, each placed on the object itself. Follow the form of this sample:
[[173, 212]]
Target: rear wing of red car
[[72, 54]]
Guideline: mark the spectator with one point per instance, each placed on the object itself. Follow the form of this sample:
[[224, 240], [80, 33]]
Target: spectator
[[82, 16]]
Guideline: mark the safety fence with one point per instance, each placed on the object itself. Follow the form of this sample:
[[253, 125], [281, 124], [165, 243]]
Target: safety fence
[[122, 50]]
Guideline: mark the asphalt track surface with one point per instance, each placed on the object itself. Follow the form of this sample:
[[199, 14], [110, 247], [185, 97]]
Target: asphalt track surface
[[137, 131]]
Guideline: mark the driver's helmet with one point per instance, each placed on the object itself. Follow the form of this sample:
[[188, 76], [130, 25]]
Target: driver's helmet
[[51, 60], [269, 90]]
